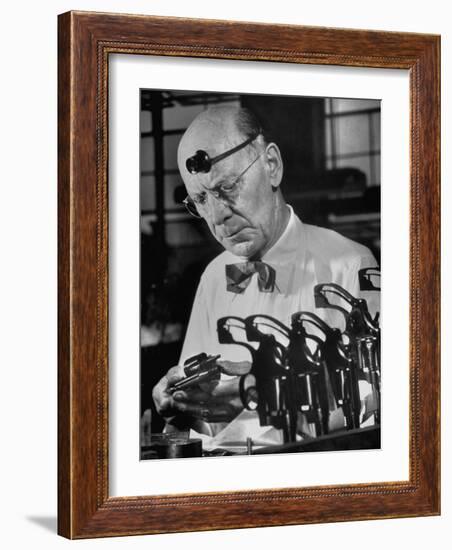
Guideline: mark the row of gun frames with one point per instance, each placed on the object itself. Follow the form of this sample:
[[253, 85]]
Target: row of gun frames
[[292, 379]]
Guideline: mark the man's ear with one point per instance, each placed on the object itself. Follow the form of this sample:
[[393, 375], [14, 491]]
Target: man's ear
[[274, 164]]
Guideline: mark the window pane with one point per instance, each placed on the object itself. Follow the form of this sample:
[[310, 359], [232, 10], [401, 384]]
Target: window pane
[[376, 119], [344, 105], [147, 154], [170, 144], [328, 151], [328, 103], [147, 193], [172, 181], [352, 134], [177, 117], [145, 121]]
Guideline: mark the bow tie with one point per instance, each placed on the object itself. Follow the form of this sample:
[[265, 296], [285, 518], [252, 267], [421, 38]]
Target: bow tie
[[238, 276]]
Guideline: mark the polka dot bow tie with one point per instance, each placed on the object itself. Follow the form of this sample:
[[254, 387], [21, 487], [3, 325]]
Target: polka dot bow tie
[[238, 276]]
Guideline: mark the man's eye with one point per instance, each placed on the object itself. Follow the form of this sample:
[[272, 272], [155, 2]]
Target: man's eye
[[228, 187]]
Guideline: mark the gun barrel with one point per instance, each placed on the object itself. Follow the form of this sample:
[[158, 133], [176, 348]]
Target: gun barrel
[[203, 372]]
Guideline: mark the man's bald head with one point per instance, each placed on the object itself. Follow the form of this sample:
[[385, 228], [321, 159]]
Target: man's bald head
[[238, 196], [214, 127]]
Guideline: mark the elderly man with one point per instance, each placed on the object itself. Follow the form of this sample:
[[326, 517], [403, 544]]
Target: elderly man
[[270, 264]]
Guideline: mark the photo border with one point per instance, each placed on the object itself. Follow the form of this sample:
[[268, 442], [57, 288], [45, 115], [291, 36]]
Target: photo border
[[85, 42]]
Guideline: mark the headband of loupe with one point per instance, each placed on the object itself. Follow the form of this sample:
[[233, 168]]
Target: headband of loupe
[[201, 162]]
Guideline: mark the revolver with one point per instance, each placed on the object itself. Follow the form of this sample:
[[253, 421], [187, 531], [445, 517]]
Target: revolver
[[198, 369], [363, 333]]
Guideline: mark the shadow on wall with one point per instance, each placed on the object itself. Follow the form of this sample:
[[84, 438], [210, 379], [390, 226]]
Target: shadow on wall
[[49, 523]]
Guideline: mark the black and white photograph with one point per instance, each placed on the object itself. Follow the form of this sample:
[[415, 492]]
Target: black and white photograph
[[224, 236], [260, 274]]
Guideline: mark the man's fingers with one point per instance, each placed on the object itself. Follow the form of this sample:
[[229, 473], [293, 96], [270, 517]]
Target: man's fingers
[[175, 374], [234, 368], [215, 399], [195, 395], [164, 402]]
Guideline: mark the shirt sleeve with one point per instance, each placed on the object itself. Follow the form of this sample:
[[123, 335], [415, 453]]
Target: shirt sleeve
[[199, 331]]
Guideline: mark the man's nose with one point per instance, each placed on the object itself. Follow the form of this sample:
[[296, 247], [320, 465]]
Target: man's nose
[[219, 210]]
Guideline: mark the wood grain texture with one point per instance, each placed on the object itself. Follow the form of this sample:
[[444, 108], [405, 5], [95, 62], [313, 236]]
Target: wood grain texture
[[64, 296], [85, 42]]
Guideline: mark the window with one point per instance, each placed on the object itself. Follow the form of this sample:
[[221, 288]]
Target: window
[[352, 130]]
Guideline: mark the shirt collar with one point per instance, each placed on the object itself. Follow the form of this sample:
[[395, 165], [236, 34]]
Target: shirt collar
[[286, 247], [285, 254]]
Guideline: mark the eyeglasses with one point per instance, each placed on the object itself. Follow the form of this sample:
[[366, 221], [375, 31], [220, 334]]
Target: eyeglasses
[[201, 161], [225, 193]]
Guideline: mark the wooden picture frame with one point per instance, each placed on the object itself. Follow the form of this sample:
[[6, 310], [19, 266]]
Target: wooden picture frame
[[86, 40]]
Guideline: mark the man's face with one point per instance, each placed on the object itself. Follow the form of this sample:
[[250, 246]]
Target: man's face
[[241, 211]]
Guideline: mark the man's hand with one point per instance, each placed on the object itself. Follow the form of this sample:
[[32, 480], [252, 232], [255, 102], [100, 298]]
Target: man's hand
[[216, 401]]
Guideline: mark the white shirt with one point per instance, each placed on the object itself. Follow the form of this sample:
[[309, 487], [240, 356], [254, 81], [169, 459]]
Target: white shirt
[[304, 256]]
